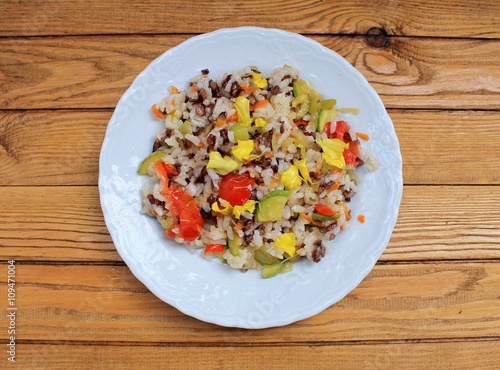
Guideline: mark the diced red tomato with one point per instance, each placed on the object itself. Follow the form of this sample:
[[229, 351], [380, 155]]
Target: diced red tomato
[[170, 169], [236, 188], [351, 154], [324, 210], [342, 128], [186, 212], [327, 129], [214, 248], [342, 132], [301, 122]]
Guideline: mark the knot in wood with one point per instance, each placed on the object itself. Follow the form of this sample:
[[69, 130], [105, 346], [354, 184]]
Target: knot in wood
[[377, 37]]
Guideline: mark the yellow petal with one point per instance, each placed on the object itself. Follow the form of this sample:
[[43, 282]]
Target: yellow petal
[[248, 206], [242, 106], [222, 165], [286, 242], [332, 151], [259, 81], [226, 210], [302, 165], [260, 122], [290, 178], [243, 149]]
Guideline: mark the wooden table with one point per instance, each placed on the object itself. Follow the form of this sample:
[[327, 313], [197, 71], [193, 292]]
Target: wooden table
[[433, 298]]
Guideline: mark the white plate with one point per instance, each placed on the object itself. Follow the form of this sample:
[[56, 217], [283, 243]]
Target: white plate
[[211, 291]]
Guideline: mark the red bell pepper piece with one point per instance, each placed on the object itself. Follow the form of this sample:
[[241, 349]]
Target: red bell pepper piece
[[324, 210], [214, 248]]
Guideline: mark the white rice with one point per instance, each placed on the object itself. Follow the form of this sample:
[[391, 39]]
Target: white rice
[[193, 130]]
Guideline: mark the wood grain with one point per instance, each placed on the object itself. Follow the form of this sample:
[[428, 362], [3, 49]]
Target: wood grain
[[457, 18], [470, 355], [435, 223], [431, 301], [68, 144], [51, 223], [93, 72], [51, 147], [395, 302]]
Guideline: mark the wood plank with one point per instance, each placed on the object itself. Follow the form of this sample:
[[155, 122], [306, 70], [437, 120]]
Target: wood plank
[[470, 355], [68, 144], [93, 72], [395, 302], [66, 224], [457, 18], [54, 223], [51, 148], [446, 223], [432, 143]]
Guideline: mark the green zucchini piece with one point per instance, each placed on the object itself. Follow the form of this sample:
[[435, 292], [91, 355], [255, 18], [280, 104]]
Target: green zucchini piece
[[271, 207], [152, 158], [276, 268], [263, 257], [240, 131], [325, 116], [303, 101], [318, 217], [234, 244]]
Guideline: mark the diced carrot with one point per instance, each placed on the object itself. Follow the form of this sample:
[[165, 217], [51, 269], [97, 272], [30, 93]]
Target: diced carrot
[[221, 122], [335, 186], [174, 90], [318, 165], [259, 104], [193, 88], [157, 112], [363, 136], [247, 89], [275, 181], [309, 219], [324, 209], [347, 211], [162, 172], [233, 117], [170, 169], [238, 227], [361, 218]]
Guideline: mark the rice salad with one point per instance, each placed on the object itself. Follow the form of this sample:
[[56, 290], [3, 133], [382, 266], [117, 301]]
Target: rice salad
[[255, 171]]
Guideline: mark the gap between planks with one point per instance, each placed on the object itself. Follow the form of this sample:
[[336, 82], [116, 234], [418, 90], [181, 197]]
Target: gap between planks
[[257, 344]]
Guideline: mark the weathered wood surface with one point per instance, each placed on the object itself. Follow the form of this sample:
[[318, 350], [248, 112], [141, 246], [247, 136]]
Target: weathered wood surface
[[422, 355], [439, 301], [432, 300], [93, 72], [457, 18], [62, 147], [66, 224]]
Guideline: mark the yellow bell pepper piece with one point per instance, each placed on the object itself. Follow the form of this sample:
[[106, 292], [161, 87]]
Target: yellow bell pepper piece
[[290, 178], [226, 210], [242, 106], [287, 243], [243, 149], [260, 122], [332, 151], [222, 165], [259, 81], [248, 206], [302, 165]]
